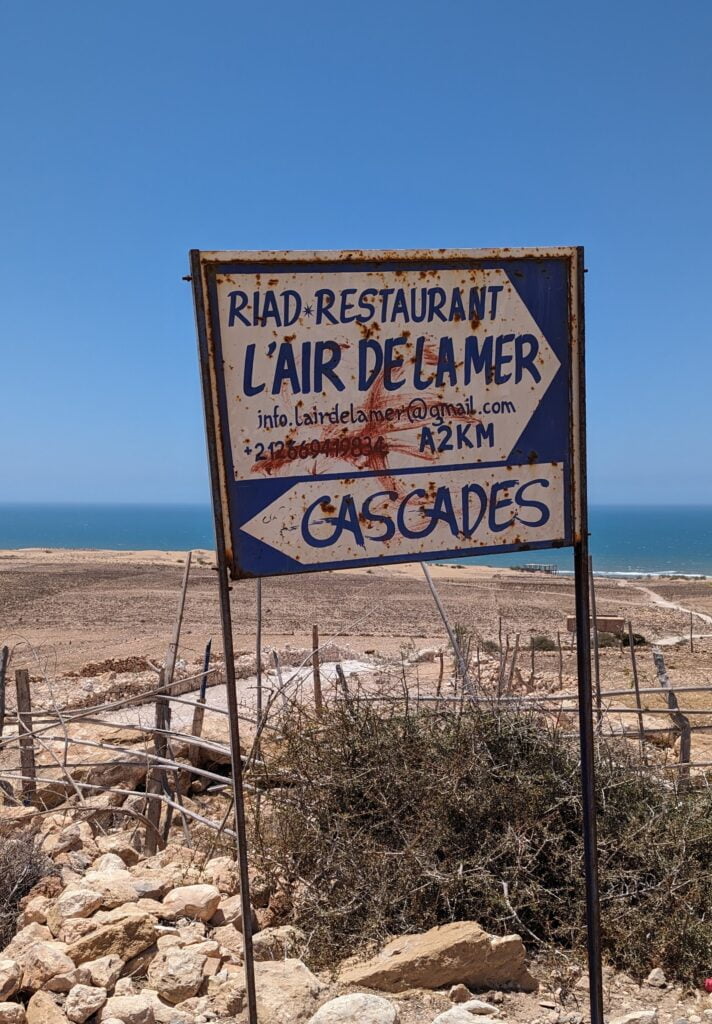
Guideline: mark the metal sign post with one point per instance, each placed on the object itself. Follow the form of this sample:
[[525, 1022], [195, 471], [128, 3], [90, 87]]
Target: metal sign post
[[373, 407], [230, 680], [582, 585]]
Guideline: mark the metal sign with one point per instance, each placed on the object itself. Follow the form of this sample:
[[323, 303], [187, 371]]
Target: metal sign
[[390, 406]]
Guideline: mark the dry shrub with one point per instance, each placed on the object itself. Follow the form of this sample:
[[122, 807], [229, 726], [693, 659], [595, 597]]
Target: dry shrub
[[22, 865], [540, 642], [380, 822]]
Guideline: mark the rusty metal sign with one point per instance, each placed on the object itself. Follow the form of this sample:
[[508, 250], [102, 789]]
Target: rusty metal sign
[[393, 406]]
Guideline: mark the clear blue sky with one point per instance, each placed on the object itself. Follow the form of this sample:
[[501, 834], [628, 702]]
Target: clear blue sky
[[132, 132]]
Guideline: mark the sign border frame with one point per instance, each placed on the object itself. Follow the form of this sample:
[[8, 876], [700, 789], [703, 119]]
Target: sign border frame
[[205, 264]]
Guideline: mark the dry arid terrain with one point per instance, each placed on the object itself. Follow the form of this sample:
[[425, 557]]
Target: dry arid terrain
[[74, 607], [139, 937]]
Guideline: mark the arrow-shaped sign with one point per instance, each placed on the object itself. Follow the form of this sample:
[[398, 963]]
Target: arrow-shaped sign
[[331, 521]]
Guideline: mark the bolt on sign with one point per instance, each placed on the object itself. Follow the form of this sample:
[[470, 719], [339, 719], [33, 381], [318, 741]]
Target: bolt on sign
[[390, 406]]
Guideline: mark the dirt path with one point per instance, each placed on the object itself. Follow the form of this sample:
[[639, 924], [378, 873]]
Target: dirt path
[[673, 605]]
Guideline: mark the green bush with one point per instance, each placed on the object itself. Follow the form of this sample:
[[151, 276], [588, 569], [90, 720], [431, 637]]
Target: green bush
[[389, 821]]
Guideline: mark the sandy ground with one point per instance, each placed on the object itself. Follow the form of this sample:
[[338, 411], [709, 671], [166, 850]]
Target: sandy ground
[[64, 613], [77, 606]]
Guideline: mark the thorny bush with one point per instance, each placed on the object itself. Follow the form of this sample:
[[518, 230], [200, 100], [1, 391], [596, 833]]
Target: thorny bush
[[379, 822], [22, 865]]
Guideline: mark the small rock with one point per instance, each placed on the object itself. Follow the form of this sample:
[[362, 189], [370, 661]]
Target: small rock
[[456, 1015], [356, 1009], [35, 911], [72, 903], [230, 938], [66, 982], [109, 862], [12, 1013], [105, 971], [287, 991], [166, 1014], [656, 978], [83, 1001], [547, 1004], [41, 962], [119, 845], [459, 994], [229, 911], [125, 987], [24, 939], [150, 888], [176, 974], [116, 887], [278, 943], [637, 1017], [196, 901], [10, 978], [479, 1007], [129, 1010], [224, 874], [42, 1009], [459, 952], [124, 938]]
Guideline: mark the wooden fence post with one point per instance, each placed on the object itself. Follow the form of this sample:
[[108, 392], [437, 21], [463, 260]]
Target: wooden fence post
[[154, 776], [513, 664], [561, 659], [318, 703], [681, 721], [636, 684], [24, 728], [4, 658], [194, 750]]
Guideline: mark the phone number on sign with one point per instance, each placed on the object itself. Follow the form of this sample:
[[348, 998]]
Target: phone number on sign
[[332, 447]]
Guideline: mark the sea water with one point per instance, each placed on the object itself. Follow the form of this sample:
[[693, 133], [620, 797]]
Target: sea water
[[624, 539]]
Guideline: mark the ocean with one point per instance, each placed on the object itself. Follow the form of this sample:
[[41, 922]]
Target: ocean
[[624, 539]]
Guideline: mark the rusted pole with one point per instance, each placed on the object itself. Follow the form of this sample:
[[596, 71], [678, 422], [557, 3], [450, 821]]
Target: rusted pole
[[4, 658], [636, 684], [24, 729], [318, 701], [596, 656], [692, 646], [561, 659], [222, 530]]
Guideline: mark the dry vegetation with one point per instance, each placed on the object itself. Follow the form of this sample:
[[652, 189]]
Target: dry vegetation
[[385, 820]]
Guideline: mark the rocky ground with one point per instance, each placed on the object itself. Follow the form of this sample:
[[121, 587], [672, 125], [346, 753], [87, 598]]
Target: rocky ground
[[121, 937]]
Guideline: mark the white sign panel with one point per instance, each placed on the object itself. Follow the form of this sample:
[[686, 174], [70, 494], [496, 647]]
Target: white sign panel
[[368, 407]]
